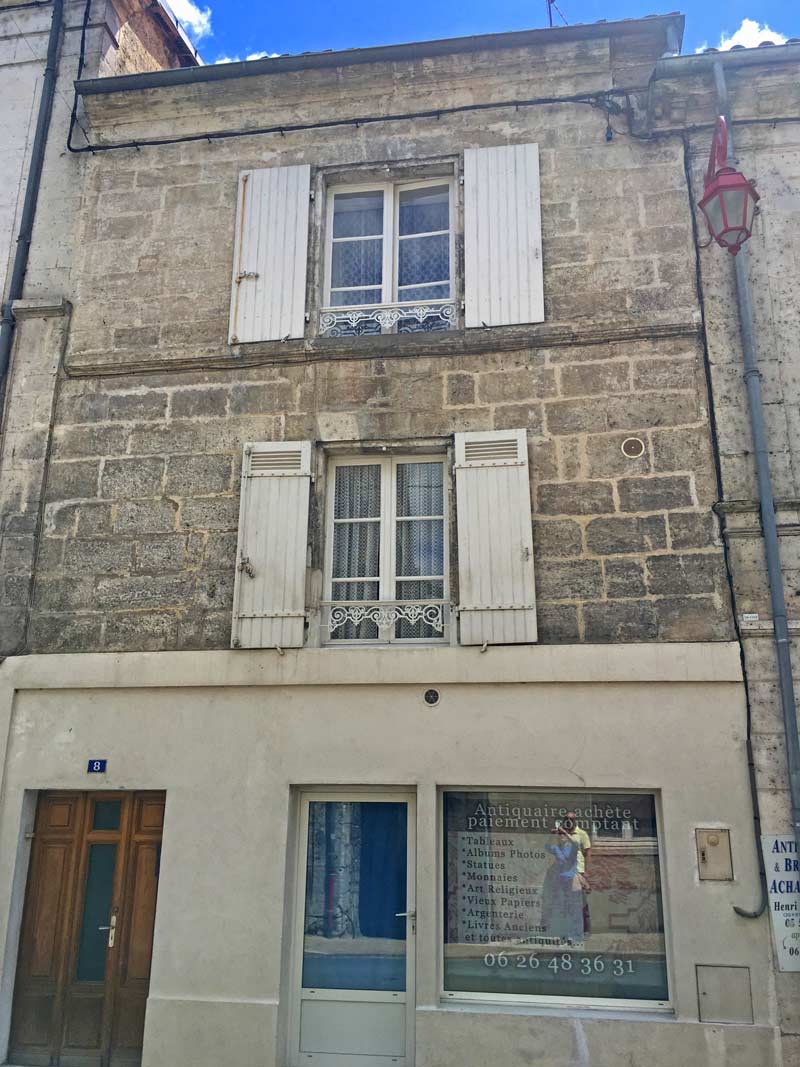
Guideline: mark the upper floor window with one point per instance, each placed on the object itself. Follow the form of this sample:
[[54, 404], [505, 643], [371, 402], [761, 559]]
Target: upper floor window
[[389, 259], [386, 566], [386, 550]]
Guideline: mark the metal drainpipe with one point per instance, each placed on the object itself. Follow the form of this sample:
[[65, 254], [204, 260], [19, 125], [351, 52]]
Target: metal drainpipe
[[766, 499], [7, 323]]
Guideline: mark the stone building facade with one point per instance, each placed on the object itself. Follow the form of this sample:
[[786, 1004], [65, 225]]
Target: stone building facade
[[762, 100], [108, 39], [128, 574]]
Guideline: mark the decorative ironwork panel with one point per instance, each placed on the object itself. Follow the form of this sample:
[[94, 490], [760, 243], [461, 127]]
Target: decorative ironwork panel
[[349, 322], [385, 614]]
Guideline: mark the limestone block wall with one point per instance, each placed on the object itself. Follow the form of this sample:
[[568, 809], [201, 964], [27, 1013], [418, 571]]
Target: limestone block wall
[[139, 531], [139, 538], [42, 322]]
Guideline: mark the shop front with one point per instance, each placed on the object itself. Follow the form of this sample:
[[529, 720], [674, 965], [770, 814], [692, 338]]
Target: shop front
[[307, 859]]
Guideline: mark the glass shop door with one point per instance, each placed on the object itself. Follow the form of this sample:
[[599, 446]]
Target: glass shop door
[[353, 987]]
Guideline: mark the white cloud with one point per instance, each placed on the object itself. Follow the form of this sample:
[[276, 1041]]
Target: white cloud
[[749, 35], [253, 55], [195, 20]]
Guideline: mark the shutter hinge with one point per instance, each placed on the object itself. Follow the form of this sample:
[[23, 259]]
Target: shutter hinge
[[461, 179], [311, 195], [247, 567], [29, 836], [308, 316], [245, 274]]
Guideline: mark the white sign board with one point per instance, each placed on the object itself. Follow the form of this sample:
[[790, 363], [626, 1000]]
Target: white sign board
[[782, 864]]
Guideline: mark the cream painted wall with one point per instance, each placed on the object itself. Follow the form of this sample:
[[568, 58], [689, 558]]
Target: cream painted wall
[[228, 735]]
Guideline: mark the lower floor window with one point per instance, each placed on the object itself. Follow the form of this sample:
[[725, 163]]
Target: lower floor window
[[553, 894]]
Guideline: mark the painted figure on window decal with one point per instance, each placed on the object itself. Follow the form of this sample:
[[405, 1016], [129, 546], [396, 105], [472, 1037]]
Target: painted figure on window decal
[[584, 842], [562, 891]]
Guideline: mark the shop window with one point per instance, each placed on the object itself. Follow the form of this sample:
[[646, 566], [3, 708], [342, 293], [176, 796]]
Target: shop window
[[553, 895]]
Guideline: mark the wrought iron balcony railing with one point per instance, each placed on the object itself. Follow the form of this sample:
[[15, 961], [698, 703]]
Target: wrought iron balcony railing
[[411, 317], [385, 620]]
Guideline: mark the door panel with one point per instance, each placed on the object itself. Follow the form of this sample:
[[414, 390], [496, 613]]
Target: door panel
[[143, 912], [353, 1029], [137, 921], [45, 927], [80, 994], [55, 858], [355, 946]]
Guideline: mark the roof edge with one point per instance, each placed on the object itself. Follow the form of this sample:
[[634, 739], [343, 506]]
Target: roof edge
[[378, 54], [686, 66]]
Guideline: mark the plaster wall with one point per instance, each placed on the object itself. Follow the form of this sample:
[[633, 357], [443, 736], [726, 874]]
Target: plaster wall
[[232, 736]]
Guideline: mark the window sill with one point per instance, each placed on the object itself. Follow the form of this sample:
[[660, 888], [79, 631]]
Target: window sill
[[562, 1010], [455, 342]]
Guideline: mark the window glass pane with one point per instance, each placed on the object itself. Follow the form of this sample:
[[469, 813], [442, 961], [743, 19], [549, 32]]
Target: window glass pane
[[425, 293], [357, 263], [425, 210], [106, 815], [355, 297], [420, 489], [355, 885], [96, 913], [536, 904], [356, 550], [357, 214], [424, 259], [734, 206], [420, 547], [357, 494]]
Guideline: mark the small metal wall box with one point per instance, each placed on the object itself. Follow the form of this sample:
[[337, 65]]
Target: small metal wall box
[[714, 861]]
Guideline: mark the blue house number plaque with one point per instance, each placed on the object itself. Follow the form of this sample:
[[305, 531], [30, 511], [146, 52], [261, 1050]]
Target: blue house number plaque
[[96, 766]]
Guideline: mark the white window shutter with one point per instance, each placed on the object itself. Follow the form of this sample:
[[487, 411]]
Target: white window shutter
[[269, 589], [270, 257], [502, 236], [495, 538]]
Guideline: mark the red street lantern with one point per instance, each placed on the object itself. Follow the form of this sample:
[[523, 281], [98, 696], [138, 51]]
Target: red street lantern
[[729, 200]]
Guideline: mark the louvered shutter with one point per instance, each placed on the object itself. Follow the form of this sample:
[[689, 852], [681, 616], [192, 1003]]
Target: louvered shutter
[[502, 236], [270, 258], [495, 538], [269, 590]]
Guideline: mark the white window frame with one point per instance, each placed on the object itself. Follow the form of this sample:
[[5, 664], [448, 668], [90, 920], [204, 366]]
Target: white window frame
[[387, 580], [391, 243], [450, 997]]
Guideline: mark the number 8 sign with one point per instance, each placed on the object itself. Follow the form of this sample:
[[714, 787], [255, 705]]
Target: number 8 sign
[[96, 766]]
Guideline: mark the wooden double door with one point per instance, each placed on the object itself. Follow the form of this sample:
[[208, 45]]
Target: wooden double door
[[87, 931]]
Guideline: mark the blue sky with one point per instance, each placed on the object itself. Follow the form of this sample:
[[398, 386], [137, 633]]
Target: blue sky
[[241, 29]]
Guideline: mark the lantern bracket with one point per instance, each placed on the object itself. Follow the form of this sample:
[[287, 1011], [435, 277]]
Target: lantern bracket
[[718, 160]]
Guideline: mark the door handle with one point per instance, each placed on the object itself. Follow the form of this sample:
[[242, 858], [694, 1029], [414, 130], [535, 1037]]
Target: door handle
[[411, 916], [112, 930]]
